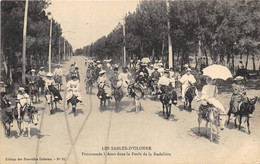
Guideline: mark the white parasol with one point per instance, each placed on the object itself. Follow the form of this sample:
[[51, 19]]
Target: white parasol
[[145, 60], [217, 72]]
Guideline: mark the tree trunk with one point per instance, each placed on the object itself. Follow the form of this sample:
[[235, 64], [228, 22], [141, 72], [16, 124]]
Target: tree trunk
[[253, 59], [247, 59], [233, 64], [199, 55], [206, 55], [153, 53], [162, 47]]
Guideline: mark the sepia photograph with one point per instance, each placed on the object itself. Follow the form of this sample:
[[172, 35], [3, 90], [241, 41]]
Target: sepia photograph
[[130, 82]]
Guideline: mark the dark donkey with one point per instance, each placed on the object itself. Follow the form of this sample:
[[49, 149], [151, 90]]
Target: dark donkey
[[73, 100], [118, 95], [7, 119], [189, 95], [245, 109], [167, 98], [102, 96], [34, 91]]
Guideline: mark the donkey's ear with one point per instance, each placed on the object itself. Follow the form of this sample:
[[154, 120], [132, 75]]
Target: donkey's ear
[[255, 99]]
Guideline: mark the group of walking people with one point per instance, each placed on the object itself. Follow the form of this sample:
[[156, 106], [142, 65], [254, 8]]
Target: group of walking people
[[110, 77]]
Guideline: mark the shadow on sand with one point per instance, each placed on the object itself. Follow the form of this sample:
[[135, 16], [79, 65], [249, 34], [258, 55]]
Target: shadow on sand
[[171, 118], [204, 132]]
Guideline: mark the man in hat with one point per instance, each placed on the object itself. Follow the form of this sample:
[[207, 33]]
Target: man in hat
[[239, 93], [160, 68], [140, 81], [73, 89], [72, 68], [150, 69], [184, 70], [186, 80], [104, 82], [114, 78], [50, 86], [5, 101], [155, 77], [42, 77], [41, 73], [97, 69], [77, 73], [240, 65], [165, 81], [32, 78], [58, 74], [23, 100], [144, 70]]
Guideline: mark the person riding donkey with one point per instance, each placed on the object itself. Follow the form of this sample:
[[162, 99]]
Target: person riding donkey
[[155, 78], [209, 93], [23, 101], [73, 89], [115, 82], [58, 74], [140, 82], [42, 77], [187, 80], [5, 100], [239, 94], [144, 70], [104, 82], [50, 86], [124, 80], [165, 81], [32, 78]]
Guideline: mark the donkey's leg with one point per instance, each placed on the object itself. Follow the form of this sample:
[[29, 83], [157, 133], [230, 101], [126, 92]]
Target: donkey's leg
[[163, 107], [240, 120], [248, 124], [236, 117], [19, 130], [137, 105], [207, 127], [29, 129], [199, 122], [229, 113], [211, 131], [23, 126], [167, 111]]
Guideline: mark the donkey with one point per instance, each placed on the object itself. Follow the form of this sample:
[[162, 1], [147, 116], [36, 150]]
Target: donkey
[[189, 95], [168, 98], [28, 116], [137, 93], [213, 116], [34, 91], [118, 95], [245, 109], [102, 96]]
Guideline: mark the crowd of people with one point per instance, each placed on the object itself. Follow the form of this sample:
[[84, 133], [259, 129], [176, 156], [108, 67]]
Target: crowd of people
[[158, 78], [110, 76]]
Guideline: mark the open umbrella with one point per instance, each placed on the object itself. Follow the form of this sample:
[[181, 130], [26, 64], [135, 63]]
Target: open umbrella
[[217, 72], [145, 60]]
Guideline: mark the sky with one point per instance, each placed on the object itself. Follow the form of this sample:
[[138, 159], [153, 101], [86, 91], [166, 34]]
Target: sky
[[85, 21]]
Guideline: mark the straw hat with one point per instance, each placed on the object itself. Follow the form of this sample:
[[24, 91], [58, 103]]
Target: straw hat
[[21, 89], [239, 78], [102, 72], [49, 74]]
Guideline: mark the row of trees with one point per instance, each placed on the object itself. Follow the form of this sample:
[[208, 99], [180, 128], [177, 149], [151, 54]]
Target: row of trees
[[222, 30], [37, 42]]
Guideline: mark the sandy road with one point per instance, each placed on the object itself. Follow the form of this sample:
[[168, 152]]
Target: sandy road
[[92, 130]]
